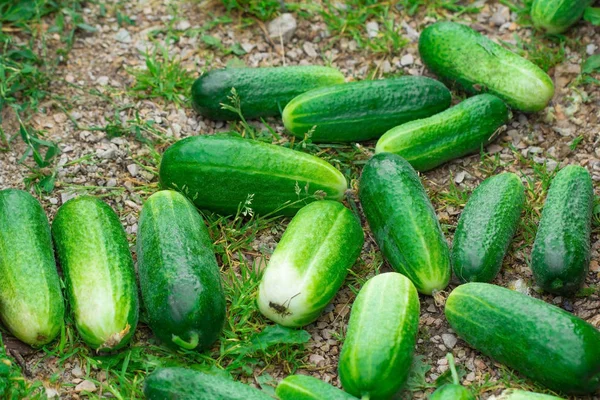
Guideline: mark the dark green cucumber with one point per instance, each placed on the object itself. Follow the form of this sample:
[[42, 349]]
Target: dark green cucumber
[[452, 391], [93, 251], [225, 173], [556, 16], [486, 228], [404, 223], [187, 384], [263, 92], [541, 341], [461, 55], [456, 132], [179, 276], [302, 387], [560, 257], [363, 110], [32, 306], [380, 341]]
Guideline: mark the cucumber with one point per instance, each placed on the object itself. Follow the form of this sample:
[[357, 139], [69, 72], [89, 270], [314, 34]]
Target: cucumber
[[302, 387], [263, 92], [225, 173], [363, 110], [186, 384], [179, 276], [310, 263], [93, 251], [32, 306], [456, 132], [556, 16], [560, 257], [486, 228], [541, 341], [463, 56], [514, 394], [377, 353], [452, 391], [404, 223]]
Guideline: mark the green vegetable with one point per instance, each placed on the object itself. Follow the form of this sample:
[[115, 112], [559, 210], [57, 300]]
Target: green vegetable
[[404, 223], [514, 394], [458, 131], [363, 110], [32, 303], [461, 55], [452, 391], [302, 387], [187, 384], [561, 253], [179, 276], [486, 228], [556, 16], [310, 263], [543, 342], [93, 251], [263, 92], [380, 341], [226, 174]]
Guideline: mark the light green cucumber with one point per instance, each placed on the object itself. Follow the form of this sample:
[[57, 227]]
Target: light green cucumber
[[303, 387], [514, 394], [556, 16]]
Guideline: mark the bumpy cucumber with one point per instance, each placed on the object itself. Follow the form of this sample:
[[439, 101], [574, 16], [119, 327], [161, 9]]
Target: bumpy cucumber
[[541, 341], [223, 173], [98, 268], [458, 131], [561, 252], [302, 387], [459, 54], [179, 276], [404, 223], [310, 263], [556, 16], [452, 391], [32, 303], [486, 228], [363, 110], [263, 92], [377, 353], [513, 394], [187, 384]]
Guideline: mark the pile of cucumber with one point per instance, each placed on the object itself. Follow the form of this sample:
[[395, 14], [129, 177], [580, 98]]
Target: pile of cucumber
[[417, 130]]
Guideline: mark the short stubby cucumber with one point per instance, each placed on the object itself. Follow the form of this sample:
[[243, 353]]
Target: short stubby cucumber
[[179, 276], [561, 252], [302, 387], [31, 302], [514, 394], [456, 132], [262, 92], [404, 223], [93, 251], [185, 384], [229, 174], [486, 228], [310, 263], [556, 16], [459, 54], [380, 341], [363, 110], [541, 341]]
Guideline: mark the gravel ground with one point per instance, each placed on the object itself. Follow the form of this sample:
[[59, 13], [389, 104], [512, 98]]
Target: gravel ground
[[94, 81]]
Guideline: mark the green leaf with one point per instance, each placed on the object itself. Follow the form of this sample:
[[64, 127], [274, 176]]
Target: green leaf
[[86, 27], [47, 183], [416, 378], [235, 63], [237, 49], [273, 335], [591, 65], [211, 40], [267, 383], [592, 15]]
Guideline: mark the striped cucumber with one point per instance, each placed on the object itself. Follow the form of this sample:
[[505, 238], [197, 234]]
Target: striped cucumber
[[404, 223], [462, 55], [363, 110], [486, 228], [31, 302], [456, 132], [263, 92], [225, 173], [93, 251], [310, 263], [377, 353], [556, 16], [302, 387], [452, 391], [179, 276], [561, 252], [543, 342], [514, 394]]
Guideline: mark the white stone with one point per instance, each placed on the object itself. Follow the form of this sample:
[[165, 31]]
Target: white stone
[[282, 28], [309, 49], [77, 372], [449, 340], [372, 29], [460, 177], [86, 386], [102, 81], [183, 25], [590, 49], [52, 393], [123, 36], [133, 169], [407, 59], [64, 197]]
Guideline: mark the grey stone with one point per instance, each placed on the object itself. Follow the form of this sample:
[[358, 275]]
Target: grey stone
[[407, 59], [309, 49], [449, 340], [123, 36], [282, 28], [372, 29], [86, 386]]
